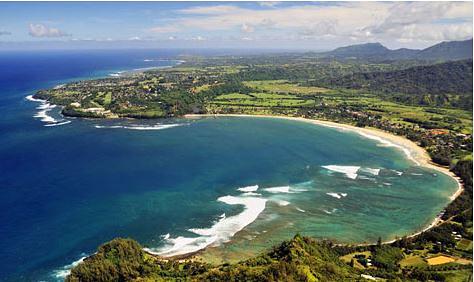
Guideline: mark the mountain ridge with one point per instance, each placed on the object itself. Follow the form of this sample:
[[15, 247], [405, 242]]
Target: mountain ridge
[[443, 51]]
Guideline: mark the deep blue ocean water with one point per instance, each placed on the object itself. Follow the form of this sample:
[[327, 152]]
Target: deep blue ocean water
[[66, 189]]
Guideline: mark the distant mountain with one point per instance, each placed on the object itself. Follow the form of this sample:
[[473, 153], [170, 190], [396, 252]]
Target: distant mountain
[[453, 50], [444, 51], [360, 50]]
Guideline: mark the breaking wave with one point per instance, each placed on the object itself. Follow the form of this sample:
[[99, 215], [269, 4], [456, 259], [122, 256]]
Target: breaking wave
[[140, 127], [220, 232], [337, 195], [43, 112], [329, 212], [386, 143], [58, 124], [252, 188], [280, 189], [349, 171], [374, 171], [64, 271]]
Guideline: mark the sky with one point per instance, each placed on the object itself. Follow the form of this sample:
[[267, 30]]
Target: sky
[[237, 25]]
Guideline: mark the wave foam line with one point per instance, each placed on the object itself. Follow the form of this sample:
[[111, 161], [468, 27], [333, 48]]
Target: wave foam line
[[373, 171], [64, 271], [251, 194], [349, 171], [252, 188], [220, 232], [44, 108], [329, 212], [280, 189], [31, 98], [337, 195], [399, 173], [58, 123], [140, 127], [387, 143]]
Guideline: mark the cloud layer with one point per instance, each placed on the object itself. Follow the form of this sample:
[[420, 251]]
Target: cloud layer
[[285, 25], [41, 30], [357, 21]]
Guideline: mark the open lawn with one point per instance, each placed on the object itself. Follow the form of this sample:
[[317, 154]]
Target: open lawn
[[233, 96], [283, 86], [266, 102], [413, 261], [464, 245]]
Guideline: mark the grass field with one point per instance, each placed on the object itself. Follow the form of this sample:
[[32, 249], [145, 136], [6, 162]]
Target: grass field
[[201, 88], [464, 245], [437, 260], [283, 86], [413, 261], [266, 102], [463, 275], [233, 96], [281, 93]]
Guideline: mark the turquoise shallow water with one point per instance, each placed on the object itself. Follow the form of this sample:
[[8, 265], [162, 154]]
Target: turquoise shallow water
[[159, 183], [173, 186]]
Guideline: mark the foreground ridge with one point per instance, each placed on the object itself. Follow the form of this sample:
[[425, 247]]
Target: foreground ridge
[[298, 259]]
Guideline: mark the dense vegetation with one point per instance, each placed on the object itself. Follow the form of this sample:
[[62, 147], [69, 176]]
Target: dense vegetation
[[446, 84], [299, 259]]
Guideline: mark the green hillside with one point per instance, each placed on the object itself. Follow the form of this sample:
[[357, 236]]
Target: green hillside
[[299, 259]]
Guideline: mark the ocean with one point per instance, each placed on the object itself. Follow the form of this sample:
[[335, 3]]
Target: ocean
[[178, 185]]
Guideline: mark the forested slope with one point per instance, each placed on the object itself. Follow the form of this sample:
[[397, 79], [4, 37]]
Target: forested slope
[[445, 84]]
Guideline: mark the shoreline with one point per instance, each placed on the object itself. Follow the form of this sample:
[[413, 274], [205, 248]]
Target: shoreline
[[413, 151]]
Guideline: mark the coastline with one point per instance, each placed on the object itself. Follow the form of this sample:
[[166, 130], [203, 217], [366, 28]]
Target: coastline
[[415, 153]]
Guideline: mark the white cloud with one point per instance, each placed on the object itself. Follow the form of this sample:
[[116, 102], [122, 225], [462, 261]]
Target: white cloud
[[290, 17], [164, 29], [135, 38], [374, 21], [211, 10], [428, 33], [41, 30], [324, 27], [269, 4], [405, 14]]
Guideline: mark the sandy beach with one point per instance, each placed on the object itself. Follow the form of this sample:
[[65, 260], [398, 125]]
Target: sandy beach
[[414, 152]]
